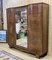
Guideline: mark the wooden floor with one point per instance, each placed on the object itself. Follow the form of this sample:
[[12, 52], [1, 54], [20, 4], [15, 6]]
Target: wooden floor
[[25, 56]]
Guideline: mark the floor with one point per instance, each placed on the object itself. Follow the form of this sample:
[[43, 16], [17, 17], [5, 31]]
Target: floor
[[25, 56]]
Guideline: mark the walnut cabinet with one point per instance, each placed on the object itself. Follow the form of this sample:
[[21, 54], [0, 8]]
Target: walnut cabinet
[[28, 25]]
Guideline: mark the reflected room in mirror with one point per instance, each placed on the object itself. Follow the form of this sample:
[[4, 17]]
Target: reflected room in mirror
[[21, 28]]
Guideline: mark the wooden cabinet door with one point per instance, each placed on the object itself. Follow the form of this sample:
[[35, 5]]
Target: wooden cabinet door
[[11, 27], [35, 28]]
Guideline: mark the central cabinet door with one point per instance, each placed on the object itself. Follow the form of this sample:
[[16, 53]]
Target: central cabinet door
[[21, 27]]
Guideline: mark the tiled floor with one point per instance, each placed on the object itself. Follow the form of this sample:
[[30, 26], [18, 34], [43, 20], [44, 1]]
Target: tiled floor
[[25, 56]]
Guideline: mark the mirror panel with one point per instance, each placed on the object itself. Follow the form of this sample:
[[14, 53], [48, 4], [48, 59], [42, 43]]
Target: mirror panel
[[21, 27]]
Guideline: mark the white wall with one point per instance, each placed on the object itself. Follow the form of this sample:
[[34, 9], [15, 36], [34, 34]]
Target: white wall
[[16, 3]]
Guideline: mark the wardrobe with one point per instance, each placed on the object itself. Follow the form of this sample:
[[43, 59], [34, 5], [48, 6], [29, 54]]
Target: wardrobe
[[27, 28]]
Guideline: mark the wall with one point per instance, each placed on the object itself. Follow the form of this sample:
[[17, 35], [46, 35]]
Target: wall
[[11, 3], [16, 3]]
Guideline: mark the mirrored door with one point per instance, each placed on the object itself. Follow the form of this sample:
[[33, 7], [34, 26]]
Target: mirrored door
[[21, 27]]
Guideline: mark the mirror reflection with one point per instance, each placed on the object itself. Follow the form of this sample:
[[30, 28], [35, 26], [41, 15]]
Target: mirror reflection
[[21, 27]]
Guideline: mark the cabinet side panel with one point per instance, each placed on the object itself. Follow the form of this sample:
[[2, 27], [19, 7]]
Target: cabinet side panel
[[35, 28], [45, 27]]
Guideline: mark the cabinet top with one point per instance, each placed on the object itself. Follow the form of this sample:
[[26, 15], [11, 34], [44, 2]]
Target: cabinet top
[[29, 4]]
